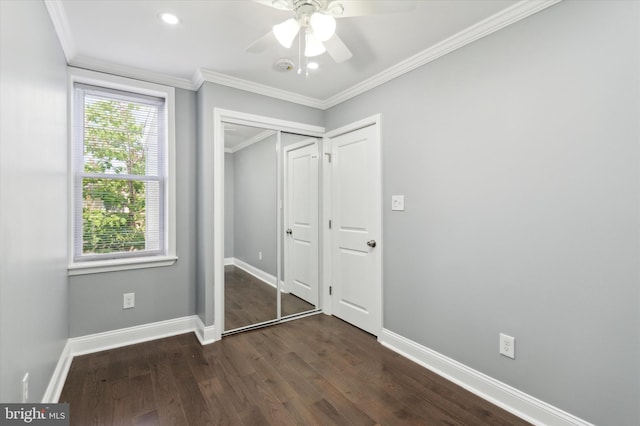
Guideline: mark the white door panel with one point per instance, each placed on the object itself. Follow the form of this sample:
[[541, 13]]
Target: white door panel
[[356, 216], [301, 217]]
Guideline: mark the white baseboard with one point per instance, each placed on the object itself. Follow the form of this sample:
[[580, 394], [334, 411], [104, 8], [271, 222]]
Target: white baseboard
[[206, 334], [517, 402], [59, 376], [131, 335], [76, 346]]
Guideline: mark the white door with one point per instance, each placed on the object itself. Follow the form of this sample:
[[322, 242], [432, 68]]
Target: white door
[[357, 228], [301, 220]]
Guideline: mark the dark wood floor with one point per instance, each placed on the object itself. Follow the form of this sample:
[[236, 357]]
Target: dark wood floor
[[314, 370], [248, 300]]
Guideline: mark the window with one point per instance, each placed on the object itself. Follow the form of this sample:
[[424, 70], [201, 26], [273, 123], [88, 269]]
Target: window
[[122, 183]]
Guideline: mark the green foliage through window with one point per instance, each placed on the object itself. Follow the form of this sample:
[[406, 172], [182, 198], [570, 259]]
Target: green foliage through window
[[120, 176]]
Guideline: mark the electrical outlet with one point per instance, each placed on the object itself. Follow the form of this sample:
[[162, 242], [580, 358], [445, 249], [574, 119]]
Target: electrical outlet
[[508, 346], [25, 388], [129, 301], [259, 255], [397, 202]]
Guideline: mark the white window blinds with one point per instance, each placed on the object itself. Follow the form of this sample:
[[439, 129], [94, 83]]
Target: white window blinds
[[120, 173]]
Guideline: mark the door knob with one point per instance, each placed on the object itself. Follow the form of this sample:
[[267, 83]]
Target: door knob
[[289, 231], [371, 243]]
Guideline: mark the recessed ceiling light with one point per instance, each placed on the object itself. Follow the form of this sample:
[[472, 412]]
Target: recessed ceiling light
[[169, 18], [313, 65]]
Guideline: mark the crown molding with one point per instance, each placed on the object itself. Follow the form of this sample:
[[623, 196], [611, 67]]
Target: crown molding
[[203, 75], [131, 72], [483, 28], [61, 26], [504, 18]]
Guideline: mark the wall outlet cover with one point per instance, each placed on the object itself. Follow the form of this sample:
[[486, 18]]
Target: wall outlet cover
[[397, 202], [129, 301], [508, 346]]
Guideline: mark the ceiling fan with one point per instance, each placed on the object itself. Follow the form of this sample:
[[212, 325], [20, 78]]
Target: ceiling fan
[[315, 21]]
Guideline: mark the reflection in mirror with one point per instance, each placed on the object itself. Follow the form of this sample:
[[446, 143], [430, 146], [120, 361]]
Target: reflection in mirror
[[250, 226], [252, 184], [300, 215]]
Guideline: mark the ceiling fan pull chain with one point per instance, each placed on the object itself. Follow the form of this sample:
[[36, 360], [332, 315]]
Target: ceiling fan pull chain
[[299, 54]]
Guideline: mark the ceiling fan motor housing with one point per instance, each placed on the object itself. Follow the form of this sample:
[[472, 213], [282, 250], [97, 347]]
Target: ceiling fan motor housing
[[305, 8]]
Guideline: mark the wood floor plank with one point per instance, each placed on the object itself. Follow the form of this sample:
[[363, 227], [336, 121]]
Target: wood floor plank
[[194, 405], [233, 392], [221, 412], [301, 412], [139, 361], [96, 395], [141, 393], [312, 371], [147, 419], [253, 416], [166, 396], [263, 398]]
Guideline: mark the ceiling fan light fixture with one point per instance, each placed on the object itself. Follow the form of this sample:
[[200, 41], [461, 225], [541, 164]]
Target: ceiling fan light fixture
[[313, 46], [323, 25], [286, 31]]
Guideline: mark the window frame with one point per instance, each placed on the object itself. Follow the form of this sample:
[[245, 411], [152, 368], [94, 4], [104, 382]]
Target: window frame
[[136, 261]]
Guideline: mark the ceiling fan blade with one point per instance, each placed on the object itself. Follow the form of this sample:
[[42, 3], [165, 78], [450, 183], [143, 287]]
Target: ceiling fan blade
[[363, 7], [336, 48], [261, 44]]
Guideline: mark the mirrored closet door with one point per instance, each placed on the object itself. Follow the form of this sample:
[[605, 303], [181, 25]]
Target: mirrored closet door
[[271, 226], [300, 245]]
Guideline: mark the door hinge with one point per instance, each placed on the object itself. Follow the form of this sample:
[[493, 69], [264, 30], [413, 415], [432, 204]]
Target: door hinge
[[329, 223], [330, 290]]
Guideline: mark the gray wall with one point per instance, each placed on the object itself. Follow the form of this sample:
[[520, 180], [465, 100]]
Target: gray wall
[[210, 96], [518, 156], [161, 293], [229, 164], [255, 204], [34, 319]]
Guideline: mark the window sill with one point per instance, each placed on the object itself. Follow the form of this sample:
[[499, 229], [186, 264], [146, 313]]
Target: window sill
[[99, 266]]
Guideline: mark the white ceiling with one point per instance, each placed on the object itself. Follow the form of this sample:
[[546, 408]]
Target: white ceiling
[[209, 43]]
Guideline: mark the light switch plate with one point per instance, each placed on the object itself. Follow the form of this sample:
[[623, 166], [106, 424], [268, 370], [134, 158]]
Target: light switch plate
[[397, 202]]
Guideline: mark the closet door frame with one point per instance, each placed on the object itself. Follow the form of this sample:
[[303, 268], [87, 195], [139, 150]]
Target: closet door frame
[[214, 252]]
